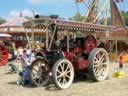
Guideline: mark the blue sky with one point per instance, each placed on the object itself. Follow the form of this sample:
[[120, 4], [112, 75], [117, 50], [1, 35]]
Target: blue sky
[[63, 8]]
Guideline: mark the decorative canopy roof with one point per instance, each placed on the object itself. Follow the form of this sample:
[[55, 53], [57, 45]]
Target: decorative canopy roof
[[68, 25]]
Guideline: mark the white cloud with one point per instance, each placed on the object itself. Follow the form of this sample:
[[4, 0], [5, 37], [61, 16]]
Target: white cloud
[[37, 2], [14, 13], [34, 2], [25, 12]]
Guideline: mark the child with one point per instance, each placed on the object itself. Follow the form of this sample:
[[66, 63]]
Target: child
[[121, 62], [23, 60], [33, 56], [24, 77], [24, 73]]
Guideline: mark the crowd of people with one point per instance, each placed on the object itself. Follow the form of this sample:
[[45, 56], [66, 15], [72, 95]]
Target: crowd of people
[[19, 62]]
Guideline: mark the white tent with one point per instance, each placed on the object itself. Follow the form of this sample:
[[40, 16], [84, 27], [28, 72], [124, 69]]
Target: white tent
[[5, 35]]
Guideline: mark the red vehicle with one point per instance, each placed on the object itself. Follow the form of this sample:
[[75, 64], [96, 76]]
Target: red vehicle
[[4, 54], [73, 54]]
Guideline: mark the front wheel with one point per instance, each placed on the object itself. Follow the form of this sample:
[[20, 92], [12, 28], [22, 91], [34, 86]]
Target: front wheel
[[98, 64], [63, 73]]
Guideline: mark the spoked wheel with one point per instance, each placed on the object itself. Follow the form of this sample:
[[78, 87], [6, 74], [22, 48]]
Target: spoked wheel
[[98, 64], [39, 72], [63, 73]]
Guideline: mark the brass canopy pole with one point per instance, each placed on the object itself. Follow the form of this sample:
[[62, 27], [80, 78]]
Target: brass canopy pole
[[47, 37], [28, 39], [67, 41], [116, 43], [32, 35], [53, 35]]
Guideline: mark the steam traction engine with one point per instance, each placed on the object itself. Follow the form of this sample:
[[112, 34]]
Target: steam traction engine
[[73, 55]]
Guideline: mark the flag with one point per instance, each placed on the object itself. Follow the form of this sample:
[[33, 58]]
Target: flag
[[79, 1]]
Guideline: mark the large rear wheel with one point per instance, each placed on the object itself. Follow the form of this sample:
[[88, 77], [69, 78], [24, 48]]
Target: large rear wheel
[[39, 72], [98, 64]]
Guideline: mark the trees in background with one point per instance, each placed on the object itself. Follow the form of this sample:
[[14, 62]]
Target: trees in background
[[125, 15], [28, 18], [2, 20], [78, 17]]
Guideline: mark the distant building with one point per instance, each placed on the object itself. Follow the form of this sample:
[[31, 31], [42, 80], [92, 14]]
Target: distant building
[[117, 41], [15, 28]]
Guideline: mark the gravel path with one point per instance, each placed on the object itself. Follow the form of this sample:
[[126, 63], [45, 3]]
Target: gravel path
[[111, 87]]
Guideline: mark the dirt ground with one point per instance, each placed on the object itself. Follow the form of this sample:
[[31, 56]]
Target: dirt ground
[[110, 87]]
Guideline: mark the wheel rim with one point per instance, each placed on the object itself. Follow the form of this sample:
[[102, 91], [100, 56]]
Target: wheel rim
[[39, 73], [64, 74], [100, 65]]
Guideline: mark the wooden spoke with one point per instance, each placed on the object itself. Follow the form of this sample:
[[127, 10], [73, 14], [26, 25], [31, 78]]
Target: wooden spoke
[[39, 72], [98, 60], [63, 73]]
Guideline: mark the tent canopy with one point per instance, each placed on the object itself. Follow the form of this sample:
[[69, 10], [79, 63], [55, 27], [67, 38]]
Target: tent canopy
[[15, 21], [5, 35]]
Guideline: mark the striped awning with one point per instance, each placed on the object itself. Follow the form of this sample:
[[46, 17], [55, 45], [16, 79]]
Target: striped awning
[[68, 25], [17, 21]]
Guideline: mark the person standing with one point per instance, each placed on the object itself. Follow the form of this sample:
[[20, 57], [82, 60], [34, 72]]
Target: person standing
[[28, 52], [121, 62]]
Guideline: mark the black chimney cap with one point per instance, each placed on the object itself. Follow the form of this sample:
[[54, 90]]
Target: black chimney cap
[[37, 16]]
